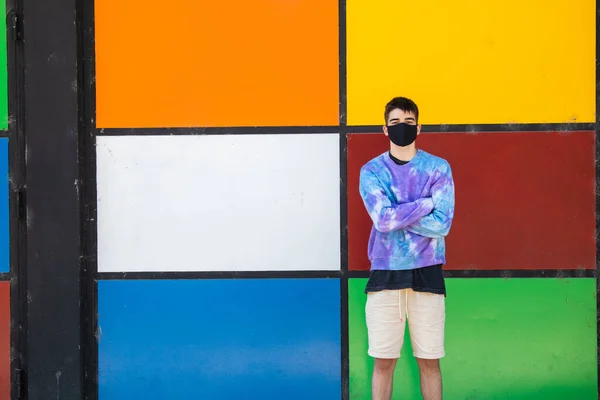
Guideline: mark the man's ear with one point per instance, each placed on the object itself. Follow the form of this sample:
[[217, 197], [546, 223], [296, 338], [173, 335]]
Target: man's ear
[[419, 129], [385, 130]]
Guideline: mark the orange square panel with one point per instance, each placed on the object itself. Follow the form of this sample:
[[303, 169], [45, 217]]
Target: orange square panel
[[226, 63], [524, 200]]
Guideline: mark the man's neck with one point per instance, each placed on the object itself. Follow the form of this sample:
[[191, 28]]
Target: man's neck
[[403, 153]]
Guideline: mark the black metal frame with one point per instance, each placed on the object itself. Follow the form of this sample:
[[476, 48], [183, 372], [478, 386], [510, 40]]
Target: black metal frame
[[52, 345]]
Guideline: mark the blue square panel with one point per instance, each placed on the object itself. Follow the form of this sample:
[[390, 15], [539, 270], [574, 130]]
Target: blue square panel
[[4, 208], [219, 339]]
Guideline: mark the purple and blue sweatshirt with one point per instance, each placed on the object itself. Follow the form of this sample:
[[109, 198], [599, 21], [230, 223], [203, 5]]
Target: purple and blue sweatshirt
[[411, 206]]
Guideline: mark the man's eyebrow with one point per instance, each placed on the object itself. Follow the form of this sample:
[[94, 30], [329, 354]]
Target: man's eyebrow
[[410, 119], [394, 119]]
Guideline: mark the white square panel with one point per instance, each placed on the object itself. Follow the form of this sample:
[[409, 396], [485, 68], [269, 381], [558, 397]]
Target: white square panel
[[218, 203]]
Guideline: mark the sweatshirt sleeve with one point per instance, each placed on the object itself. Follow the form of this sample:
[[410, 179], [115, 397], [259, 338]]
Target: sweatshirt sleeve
[[437, 224], [387, 216]]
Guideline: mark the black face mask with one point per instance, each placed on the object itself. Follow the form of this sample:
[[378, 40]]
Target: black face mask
[[402, 134]]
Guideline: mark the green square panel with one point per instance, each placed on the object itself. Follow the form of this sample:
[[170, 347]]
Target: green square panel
[[522, 339], [3, 71]]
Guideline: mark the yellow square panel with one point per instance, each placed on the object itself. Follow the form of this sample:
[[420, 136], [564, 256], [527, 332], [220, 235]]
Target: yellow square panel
[[472, 61]]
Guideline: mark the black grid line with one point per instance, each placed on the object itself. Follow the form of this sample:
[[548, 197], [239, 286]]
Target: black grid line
[[505, 274], [88, 205], [597, 131], [343, 117], [343, 129]]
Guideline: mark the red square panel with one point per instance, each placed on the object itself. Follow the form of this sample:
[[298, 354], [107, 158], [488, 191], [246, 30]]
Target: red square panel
[[524, 200], [4, 340]]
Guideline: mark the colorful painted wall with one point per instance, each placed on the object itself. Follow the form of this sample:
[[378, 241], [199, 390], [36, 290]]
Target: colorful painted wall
[[5, 270], [231, 239]]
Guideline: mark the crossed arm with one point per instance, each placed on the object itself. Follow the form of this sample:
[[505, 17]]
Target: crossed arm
[[437, 223], [429, 217]]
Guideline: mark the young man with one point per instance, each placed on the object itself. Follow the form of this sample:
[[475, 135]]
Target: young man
[[409, 195]]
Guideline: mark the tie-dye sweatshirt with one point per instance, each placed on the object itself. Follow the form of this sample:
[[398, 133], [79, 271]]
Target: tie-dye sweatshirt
[[412, 207]]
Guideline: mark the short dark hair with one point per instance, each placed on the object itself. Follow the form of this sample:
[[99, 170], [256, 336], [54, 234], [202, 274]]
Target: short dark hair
[[402, 103]]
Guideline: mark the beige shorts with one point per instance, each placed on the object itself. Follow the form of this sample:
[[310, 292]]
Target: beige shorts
[[387, 312]]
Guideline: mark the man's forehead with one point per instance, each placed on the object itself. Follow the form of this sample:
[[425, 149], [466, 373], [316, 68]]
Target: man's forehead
[[401, 114]]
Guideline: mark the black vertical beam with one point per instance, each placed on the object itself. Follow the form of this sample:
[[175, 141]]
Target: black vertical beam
[[18, 272], [343, 121], [87, 168], [54, 362]]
